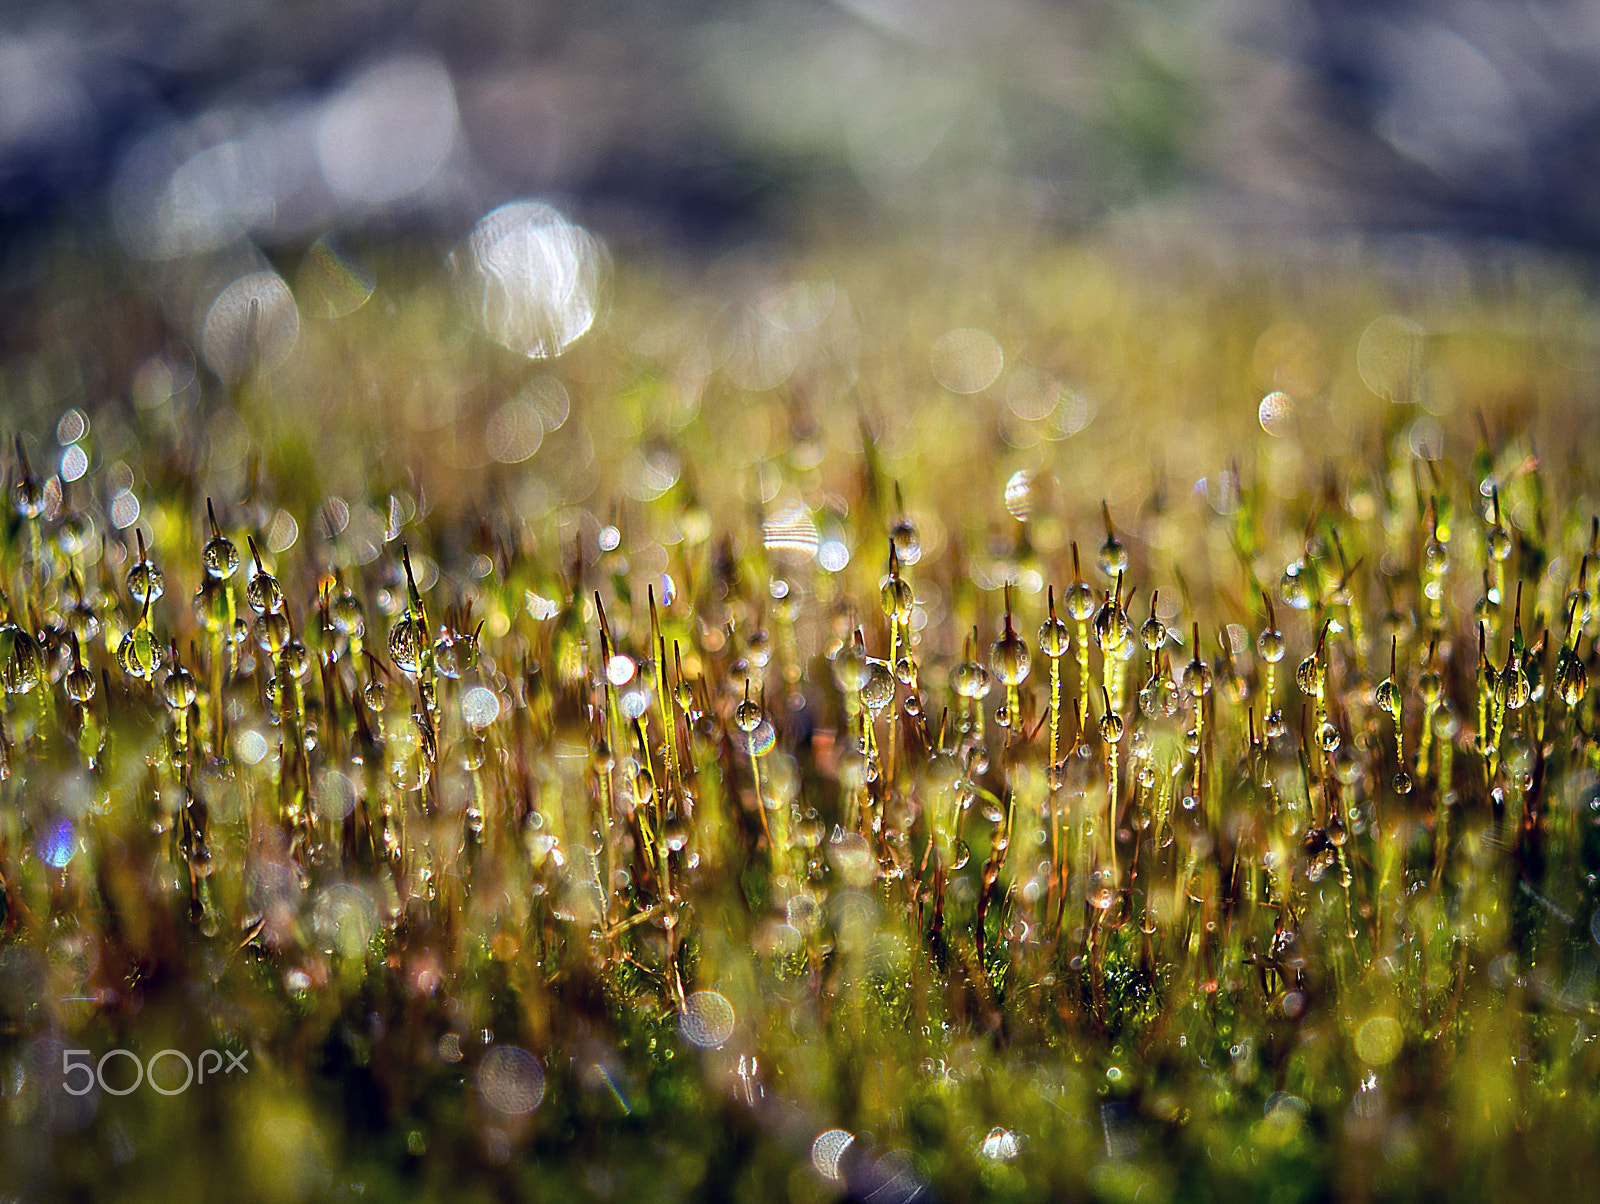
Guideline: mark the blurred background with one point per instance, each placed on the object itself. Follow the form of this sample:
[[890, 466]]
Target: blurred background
[[184, 127]]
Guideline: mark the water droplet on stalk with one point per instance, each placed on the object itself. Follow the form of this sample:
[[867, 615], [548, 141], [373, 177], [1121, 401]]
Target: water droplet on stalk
[[145, 582], [406, 642], [907, 544], [139, 654], [1270, 645], [1309, 677], [970, 679], [179, 689], [80, 685], [294, 659], [1499, 543], [1294, 589], [897, 599], [850, 668], [346, 616], [1010, 657], [264, 594], [748, 715], [878, 692], [1572, 679], [1511, 688], [220, 558]]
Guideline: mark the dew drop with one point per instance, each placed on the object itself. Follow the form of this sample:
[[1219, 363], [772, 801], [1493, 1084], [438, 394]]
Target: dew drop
[[264, 594], [220, 558], [1113, 557], [406, 642], [179, 689], [145, 582], [907, 544]]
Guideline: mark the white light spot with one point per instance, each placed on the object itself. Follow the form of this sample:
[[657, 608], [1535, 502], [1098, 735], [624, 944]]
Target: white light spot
[[828, 1149], [336, 796], [540, 276], [1019, 495], [217, 193], [334, 279], [254, 317], [708, 1020], [999, 1146], [1389, 357], [388, 132], [800, 305], [550, 400], [833, 555], [344, 918], [480, 707], [333, 516], [540, 607], [1074, 413], [1426, 438], [1032, 394], [283, 533], [74, 463], [1275, 411], [966, 360], [634, 702], [250, 746], [791, 530], [1222, 492], [514, 432], [510, 1081], [647, 476], [71, 427], [124, 510], [1284, 1109]]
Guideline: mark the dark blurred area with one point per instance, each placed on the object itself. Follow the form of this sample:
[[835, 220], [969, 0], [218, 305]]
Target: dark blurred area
[[186, 127]]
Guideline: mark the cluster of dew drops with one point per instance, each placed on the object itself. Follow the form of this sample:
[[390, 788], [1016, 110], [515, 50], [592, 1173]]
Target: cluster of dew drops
[[1086, 712]]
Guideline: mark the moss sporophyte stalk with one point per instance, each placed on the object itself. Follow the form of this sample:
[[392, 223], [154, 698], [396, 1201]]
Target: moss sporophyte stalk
[[690, 787]]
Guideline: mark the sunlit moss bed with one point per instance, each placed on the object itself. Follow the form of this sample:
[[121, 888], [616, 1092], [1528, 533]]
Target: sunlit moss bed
[[654, 772]]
